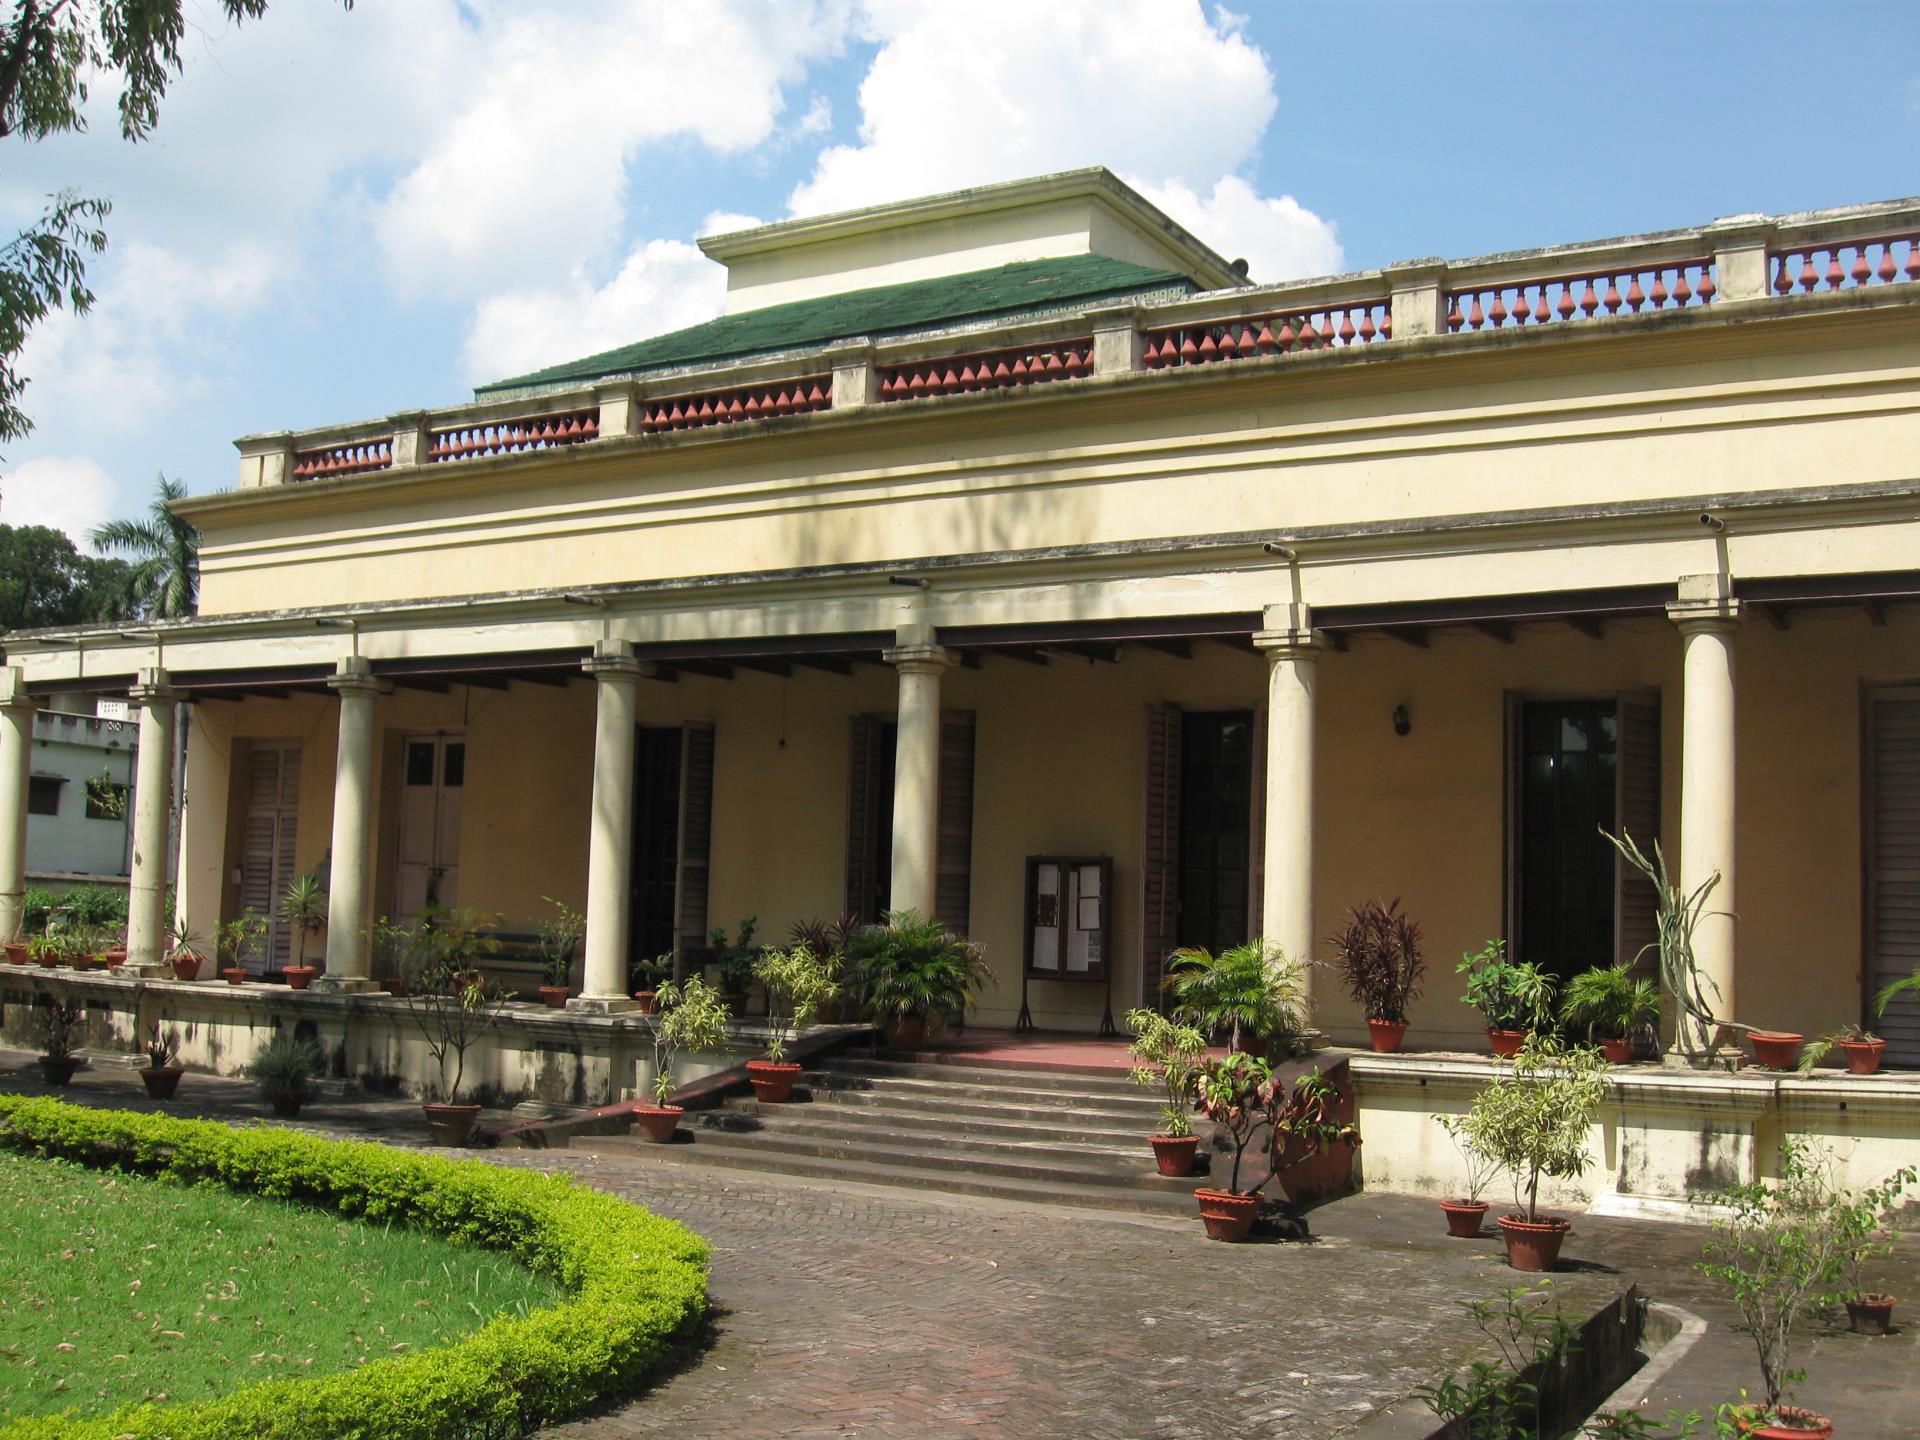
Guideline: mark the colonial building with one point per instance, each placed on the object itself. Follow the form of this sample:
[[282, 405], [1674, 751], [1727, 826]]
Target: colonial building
[[1018, 523]]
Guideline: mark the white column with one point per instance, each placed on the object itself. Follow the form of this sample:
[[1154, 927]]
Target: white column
[[1286, 899], [350, 893], [152, 810], [1708, 616], [16, 755], [916, 769], [610, 843]]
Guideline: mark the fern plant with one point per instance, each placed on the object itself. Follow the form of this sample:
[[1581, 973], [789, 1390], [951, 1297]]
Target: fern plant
[[1609, 1002], [911, 967], [1246, 990]]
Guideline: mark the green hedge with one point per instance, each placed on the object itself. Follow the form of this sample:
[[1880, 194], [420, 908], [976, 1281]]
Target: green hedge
[[638, 1281]]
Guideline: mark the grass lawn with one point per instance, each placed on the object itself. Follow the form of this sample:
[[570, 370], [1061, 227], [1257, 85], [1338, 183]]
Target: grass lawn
[[116, 1289]]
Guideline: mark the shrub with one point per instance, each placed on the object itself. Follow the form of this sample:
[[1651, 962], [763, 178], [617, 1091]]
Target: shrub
[[1167, 1057], [1509, 994], [35, 906], [1247, 990], [909, 966], [638, 1282], [96, 905], [284, 1069], [1378, 951], [1534, 1118]]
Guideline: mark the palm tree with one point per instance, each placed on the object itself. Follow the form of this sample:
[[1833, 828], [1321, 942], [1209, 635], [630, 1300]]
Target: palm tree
[[164, 549]]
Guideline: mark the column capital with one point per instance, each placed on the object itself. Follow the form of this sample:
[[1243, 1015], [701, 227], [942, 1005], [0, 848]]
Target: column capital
[[1290, 644], [614, 660], [1705, 602], [355, 677], [920, 659], [13, 690], [153, 687]]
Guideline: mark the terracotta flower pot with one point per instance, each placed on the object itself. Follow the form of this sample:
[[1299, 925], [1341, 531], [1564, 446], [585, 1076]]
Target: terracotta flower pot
[[1533, 1245], [1464, 1217], [657, 1122], [1506, 1042], [84, 962], [286, 1106], [185, 967], [1618, 1052], [300, 976], [1794, 1423], [48, 961], [1386, 1035], [1173, 1154], [59, 1072], [235, 976], [394, 984], [1863, 1056], [163, 1082], [1226, 1215], [907, 1033], [16, 952], [1871, 1313], [451, 1124], [772, 1081], [555, 996], [643, 1001], [113, 959], [1776, 1049]]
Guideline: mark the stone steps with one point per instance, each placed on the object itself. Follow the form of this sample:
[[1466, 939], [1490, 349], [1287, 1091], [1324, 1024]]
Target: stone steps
[[1048, 1135]]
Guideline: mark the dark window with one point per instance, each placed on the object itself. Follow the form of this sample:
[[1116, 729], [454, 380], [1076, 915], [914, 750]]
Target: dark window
[[1568, 759], [656, 843], [453, 770], [1216, 791], [419, 762], [116, 810], [43, 794]]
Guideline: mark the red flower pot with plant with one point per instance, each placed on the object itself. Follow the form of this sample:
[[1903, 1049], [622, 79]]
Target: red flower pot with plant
[[1167, 1055], [689, 1016], [1243, 1097], [560, 935], [1514, 997], [1378, 952], [797, 982], [1534, 1118]]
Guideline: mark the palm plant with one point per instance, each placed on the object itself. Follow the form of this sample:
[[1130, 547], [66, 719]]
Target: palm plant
[[1611, 1003], [910, 967], [1250, 989], [163, 582], [303, 905]]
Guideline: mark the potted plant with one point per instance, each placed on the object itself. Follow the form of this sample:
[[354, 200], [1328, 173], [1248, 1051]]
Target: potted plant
[[454, 1005], [1515, 998], [1778, 1253], [908, 969], [1378, 952], [689, 1016], [303, 905], [1534, 1118], [1229, 1092], [1616, 1009], [1861, 1222], [645, 977], [81, 947], [163, 1069], [387, 948], [1861, 1049], [1776, 1049], [112, 943], [1167, 1057], [1247, 991], [284, 1069], [797, 982], [733, 962], [45, 950], [828, 940], [1309, 1150], [1465, 1213], [60, 1019], [232, 940], [559, 939]]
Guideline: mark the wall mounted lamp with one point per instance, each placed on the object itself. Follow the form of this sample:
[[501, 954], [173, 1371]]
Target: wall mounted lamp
[[1402, 722]]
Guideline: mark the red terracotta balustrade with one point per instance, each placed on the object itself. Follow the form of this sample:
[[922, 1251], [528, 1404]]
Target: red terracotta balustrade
[[356, 457], [728, 407], [502, 437], [1208, 342], [1805, 268], [990, 370], [1678, 286]]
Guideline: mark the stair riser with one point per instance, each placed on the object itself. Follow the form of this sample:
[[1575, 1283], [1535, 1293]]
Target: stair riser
[[1066, 1148], [1137, 1122], [1041, 1169], [1118, 1104], [985, 1077], [945, 1126]]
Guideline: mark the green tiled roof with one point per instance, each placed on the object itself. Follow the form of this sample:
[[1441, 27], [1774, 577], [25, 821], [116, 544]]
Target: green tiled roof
[[1008, 291]]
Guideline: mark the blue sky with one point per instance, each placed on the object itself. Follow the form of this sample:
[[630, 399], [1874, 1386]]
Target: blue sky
[[347, 214]]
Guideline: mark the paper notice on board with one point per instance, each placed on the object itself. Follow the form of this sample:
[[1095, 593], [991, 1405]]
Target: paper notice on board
[[1045, 923]]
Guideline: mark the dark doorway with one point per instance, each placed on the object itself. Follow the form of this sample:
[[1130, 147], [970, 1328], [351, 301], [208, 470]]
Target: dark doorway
[[656, 843], [881, 754], [1568, 773], [1216, 809]]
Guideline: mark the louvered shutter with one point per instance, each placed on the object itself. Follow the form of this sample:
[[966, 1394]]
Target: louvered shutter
[[1160, 851], [1636, 902], [696, 837], [863, 840], [270, 832], [1257, 835], [953, 888], [1893, 864]]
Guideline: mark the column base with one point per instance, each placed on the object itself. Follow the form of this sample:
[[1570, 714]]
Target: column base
[[151, 970], [600, 1005], [342, 985]]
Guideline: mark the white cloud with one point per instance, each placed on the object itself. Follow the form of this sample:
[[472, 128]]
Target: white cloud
[[528, 175], [68, 492], [1280, 239], [664, 285]]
